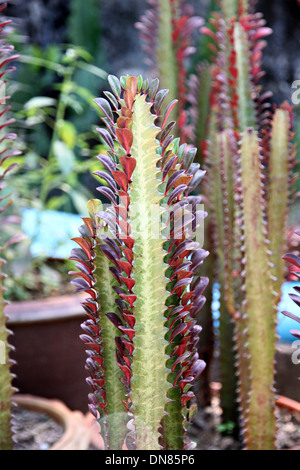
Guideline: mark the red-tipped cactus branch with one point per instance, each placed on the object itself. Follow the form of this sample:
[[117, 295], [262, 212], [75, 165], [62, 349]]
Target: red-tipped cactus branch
[[249, 156], [166, 30], [154, 260], [6, 388]]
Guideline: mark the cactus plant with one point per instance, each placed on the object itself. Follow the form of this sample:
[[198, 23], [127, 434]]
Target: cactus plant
[[248, 156], [166, 30], [6, 388], [149, 176]]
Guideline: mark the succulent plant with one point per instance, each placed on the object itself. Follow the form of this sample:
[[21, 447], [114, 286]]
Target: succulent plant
[[153, 260], [166, 30], [6, 388], [249, 156]]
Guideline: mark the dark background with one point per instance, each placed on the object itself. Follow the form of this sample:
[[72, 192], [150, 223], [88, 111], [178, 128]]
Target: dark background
[[44, 22]]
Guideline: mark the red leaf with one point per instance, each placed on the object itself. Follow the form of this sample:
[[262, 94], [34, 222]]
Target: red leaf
[[86, 247], [129, 242], [121, 179], [89, 225], [125, 137], [128, 165], [125, 266], [128, 98], [168, 111], [126, 371], [128, 282], [129, 298], [128, 253]]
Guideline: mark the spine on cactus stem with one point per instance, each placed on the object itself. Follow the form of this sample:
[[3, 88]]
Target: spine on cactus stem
[[149, 177], [6, 153]]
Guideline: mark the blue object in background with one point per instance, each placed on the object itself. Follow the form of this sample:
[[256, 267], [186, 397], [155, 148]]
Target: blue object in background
[[50, 232], [284, 325]]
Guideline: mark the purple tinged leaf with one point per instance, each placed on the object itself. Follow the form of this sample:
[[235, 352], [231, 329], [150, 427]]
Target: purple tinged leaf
[[115, 319], [176, 193], [291, 316], [179, 329], [169, 109], [78, 255], [160, 96], [197, 305], [81, 284], [295, 298], [109, 193], [198, 368], [106, 137], [166, 144], [193, 23], [112, 99], [295, 333], [153, 88], [201, 286], [182, 283], [110, 254], [186, 245], [105, 108], [189, 158], [173, 178], [175, 311], [198, 257], [293, 259], [106, 177], [181, 267], [169, 165], [195, 181], [161, 136]]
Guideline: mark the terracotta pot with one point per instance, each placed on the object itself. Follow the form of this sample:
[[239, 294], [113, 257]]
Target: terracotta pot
[[50, 357], [79, 430]]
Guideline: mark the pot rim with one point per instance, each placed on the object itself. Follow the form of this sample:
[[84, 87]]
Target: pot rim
[[75, 435], [47, 310]]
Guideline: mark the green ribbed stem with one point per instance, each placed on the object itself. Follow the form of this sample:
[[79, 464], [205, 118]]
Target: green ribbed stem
[[166, 58], [115, 421], [260, 422], [6, 389], [149, 356], [278, 194], [246, 107]]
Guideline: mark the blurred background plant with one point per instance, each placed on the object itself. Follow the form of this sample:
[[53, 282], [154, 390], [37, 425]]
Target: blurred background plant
[[52, 92]]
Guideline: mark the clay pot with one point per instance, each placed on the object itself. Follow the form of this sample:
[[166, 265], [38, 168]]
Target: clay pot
[[50, 357], [80, 431]]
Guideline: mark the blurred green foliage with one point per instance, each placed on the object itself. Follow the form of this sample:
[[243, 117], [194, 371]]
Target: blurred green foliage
[[52, 99], [56, 152]]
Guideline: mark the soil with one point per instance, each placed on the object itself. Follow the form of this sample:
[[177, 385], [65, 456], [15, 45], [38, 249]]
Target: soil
[[36, 431], [205, 430]]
